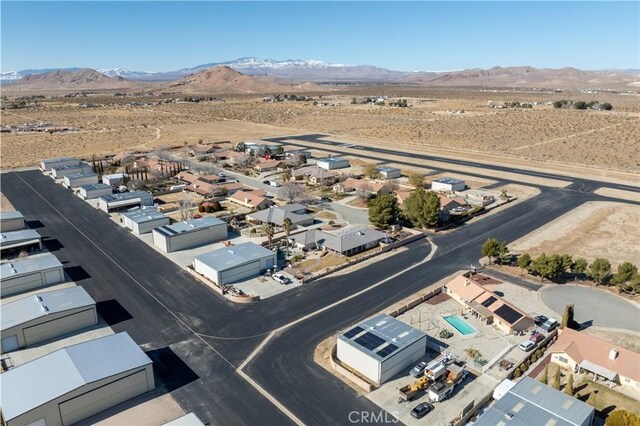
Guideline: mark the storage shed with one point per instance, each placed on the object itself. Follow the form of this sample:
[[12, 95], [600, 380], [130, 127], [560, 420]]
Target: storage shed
[[230, 264], [381, 347], [192, 233], [144, 219], [50, 163], [16, 241], [115, 179], [61, 172], [11, 221], [75, 382], [332, 163], [30, 273], [87, 192], [34, 319], [78, 179], [124, 201]]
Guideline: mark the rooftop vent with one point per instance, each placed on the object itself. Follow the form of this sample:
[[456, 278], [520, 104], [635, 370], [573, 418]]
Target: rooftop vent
[[613, 354]]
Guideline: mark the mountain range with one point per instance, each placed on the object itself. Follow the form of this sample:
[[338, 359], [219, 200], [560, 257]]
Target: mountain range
[[258, 74]]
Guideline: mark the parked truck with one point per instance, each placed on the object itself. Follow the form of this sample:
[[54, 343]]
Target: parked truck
[[443, 388], [406, 393]]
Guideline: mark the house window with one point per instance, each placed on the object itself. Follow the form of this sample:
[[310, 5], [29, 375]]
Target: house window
[[562, 359]]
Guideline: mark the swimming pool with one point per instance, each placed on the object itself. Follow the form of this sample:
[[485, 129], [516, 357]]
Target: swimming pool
[[460, 325]]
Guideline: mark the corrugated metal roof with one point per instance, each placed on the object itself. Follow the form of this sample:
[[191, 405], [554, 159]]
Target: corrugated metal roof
[[389, 330], [449, 181], [350, 237], [192, 225], [142, 195], [94, 186], [35, 383], [9, 215], [55, 160], [114, 176], [532, 403], [34, 263], [40, 305], [145, 214], [80, 175], [17, 236], [277, 214], [226, 258]]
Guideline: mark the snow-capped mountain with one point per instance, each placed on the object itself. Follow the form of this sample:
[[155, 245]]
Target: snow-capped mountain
[[125, 73], [11, 75]]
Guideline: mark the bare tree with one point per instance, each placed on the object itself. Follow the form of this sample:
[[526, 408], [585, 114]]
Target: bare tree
[[135, 184], [364, 191], [202, 166], [162, 153], [186, 208], [245, 161], [292, 191], [390, 187]]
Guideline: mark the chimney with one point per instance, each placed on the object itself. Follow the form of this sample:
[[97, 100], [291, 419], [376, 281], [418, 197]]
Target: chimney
[[613, 354]]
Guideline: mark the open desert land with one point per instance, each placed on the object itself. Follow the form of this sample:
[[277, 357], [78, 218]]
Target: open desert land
[[594, 229], [596, 142]]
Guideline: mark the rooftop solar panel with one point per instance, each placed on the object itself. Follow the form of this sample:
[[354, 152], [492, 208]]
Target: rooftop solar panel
[[489, 301], [387, 350], [369, 341], [509, 314], [353, 332]]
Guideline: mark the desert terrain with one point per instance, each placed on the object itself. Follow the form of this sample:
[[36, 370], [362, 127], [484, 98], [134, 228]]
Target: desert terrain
[[600, 140]]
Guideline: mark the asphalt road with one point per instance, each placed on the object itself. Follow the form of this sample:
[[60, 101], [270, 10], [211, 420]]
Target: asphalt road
[[593, 306], [201, 339]]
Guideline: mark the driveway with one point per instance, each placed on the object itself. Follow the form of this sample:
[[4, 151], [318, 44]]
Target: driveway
[[600, 307]]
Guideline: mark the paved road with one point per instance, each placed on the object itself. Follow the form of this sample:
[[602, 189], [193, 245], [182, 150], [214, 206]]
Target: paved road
[[594, 306], [210, 337]]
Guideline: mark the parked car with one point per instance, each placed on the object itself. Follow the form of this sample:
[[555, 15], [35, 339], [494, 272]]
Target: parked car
[[540, 319], [326, 199], [275, 183], [421, 410], [266, 182], [549, 325], [418, 369], [280, 278], [527, 345], [221, 174], [536, 338]]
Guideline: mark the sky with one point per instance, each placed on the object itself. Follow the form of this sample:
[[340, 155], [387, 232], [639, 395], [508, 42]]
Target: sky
[[434, 36]]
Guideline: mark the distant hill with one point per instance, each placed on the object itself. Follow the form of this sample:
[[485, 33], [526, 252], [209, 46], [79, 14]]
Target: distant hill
[[223, 79], [564, 78], [69, 80]]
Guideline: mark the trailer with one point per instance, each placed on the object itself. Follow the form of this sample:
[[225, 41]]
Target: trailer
[[442, 389]]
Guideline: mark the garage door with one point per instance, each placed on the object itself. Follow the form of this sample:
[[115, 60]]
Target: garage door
[[239, 273], [10, 343], [21, 284], [93, 402], [59, 326]]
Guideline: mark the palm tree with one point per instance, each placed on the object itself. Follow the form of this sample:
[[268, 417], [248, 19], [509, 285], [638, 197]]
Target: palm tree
[[287, 225], [269, 231]]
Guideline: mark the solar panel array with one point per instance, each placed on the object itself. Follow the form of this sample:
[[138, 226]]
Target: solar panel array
[[508, 314], [353, 332], [387, 350], [489, 301], [369, 341]]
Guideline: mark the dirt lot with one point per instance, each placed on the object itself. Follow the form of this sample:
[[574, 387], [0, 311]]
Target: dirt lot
[[595, 229], [542, 133], [5, 205]]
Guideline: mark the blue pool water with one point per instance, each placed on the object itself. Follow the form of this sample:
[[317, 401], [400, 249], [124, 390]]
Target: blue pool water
[[460, 324]]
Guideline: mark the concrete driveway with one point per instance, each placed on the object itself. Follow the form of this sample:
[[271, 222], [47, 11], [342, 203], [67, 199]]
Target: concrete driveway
[[600, 307]]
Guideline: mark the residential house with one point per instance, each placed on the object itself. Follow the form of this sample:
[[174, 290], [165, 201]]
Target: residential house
[[347, 240], [472, 291], [351, 184], [267, 165], [186, 177], [275, 215], [250, 200], [580, 352], [201, 149], [314, 175]]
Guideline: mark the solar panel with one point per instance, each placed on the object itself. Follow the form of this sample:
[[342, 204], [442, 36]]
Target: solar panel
[[489, 301], [354, 331], [387, 350], [508, 314], [369, 341]]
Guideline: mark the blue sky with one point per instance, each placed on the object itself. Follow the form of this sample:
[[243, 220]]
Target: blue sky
[[163, 36]]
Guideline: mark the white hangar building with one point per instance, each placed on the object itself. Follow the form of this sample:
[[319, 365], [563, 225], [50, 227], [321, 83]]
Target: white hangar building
[[192, 233], [381, 347], [34, 319], [11, 221], [124, 201], [78, 179], [49, 164], [86, 192], [30, 273], [235, 263], [75, 382], [144, 219], [61, 172], [16, 241]]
